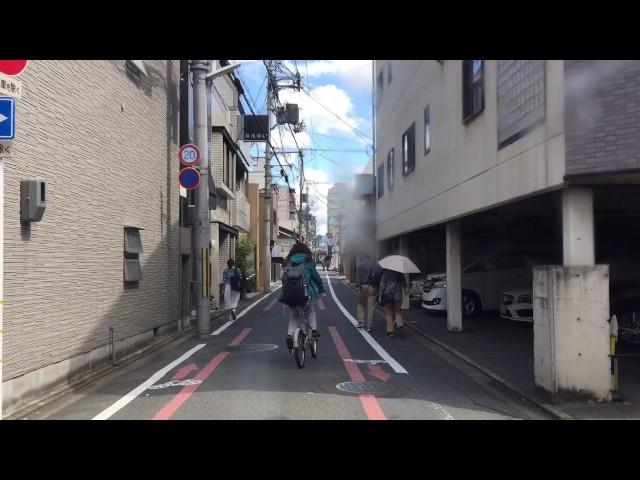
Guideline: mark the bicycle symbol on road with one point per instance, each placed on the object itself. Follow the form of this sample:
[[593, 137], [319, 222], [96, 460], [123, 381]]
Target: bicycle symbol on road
[[175, 383]]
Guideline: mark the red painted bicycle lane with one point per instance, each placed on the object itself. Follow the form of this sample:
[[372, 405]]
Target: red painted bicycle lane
[[370, 403], [183, 395]]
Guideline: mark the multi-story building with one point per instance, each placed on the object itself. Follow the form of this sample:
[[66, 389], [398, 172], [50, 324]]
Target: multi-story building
[[335, 206], [336, 198], [288, 209], [474, 155], [104, 259], [229, 160], [258, 223]]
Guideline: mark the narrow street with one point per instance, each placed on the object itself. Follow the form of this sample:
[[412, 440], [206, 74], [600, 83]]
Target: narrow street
[[245, 372]]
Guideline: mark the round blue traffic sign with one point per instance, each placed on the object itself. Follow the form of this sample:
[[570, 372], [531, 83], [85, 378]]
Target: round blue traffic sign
[[189, 178]]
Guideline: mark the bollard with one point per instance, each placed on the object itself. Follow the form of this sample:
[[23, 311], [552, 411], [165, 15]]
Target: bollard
[[616, 396], [112, 347]]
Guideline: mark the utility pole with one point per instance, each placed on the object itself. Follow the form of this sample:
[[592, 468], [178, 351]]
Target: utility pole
[[199, 69], [306, 219], [202, 228], [202, 237], [267, 187], [301, 186]]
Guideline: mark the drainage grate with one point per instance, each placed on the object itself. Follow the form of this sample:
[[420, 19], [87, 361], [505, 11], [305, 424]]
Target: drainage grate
[[365, 387], [252, 347]]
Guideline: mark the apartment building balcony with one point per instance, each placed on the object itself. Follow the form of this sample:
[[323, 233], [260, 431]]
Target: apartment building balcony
[[241, 213]]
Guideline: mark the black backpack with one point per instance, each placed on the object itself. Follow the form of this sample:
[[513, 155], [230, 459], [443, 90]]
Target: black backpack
[[375, 275], [236, 281], [294, 290]]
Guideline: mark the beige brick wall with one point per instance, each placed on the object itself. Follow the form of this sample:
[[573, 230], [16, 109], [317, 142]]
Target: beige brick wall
[[107, 148]]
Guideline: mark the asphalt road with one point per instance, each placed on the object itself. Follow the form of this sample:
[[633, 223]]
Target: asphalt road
[[244, 371]]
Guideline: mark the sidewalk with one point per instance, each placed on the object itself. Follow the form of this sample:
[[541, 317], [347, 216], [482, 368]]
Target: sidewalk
[[504, 350], [224, 315]]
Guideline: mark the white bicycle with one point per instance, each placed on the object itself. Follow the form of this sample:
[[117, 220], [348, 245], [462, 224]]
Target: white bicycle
[[303, 339]]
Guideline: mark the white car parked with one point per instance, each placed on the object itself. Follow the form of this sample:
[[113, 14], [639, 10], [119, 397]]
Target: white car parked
[[517, 304], [484, 281]]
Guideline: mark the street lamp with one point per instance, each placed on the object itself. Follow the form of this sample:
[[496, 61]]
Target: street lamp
[[222, 71], [202, 228]]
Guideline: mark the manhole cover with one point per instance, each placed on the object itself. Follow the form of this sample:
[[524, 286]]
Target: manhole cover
[[365, 387], [252, 347]]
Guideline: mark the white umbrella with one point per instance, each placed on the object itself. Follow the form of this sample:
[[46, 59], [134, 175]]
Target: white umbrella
[[398, 263]]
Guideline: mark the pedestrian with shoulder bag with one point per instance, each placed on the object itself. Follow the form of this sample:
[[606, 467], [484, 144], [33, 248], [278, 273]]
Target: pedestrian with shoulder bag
[[390, 295], [233, 285]]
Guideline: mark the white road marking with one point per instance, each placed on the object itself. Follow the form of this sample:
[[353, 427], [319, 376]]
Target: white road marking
[[370, 340], [242, 313], [129, 397], [360, 362]]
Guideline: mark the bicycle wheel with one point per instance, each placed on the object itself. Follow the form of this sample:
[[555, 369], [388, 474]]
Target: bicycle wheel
[[314, 347], [300, 350]]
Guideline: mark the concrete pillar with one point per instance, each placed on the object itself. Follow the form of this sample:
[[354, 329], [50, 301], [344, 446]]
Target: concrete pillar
[[454, 277], [577, 227], [571, 330], [404, 245]]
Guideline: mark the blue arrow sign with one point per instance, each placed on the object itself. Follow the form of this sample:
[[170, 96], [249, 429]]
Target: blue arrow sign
[[7, 118]]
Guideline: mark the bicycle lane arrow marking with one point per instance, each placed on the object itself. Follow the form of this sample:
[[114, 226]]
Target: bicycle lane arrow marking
[[377, 372], [183, 395], [370, 404], [184, 371], [271, 304]]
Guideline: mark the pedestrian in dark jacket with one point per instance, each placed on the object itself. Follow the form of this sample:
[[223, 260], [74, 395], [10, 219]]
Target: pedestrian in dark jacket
[[367, 277], [390, 295]]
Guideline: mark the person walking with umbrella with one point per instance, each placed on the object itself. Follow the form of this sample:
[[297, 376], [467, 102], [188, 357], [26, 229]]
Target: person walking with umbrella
[[392, 286]]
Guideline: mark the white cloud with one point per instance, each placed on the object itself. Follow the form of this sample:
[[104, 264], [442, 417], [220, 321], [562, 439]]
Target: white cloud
[[321, 119], [356, 73]]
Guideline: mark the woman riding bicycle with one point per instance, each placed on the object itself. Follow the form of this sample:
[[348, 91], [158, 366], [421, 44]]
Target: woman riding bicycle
[[299, 254]]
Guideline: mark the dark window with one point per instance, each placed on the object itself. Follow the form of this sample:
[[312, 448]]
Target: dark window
[[228, 176], [521, 98], [409, 150], [379, 88], [380, 181], [390, 168], [132, 250], [427, 130], [132, 241], [472, 89], [225, 163]]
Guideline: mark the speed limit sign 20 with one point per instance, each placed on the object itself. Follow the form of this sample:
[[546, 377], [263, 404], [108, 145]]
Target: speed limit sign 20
[[189, 154]]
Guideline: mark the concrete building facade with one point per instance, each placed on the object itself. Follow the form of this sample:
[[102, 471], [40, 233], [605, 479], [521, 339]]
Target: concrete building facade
[[475, 154], [103, 136]]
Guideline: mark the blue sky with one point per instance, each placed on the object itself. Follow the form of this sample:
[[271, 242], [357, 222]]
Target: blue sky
[[343, 87]]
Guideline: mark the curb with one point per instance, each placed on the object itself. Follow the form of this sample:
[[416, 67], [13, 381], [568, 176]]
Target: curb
[[554, 412]]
